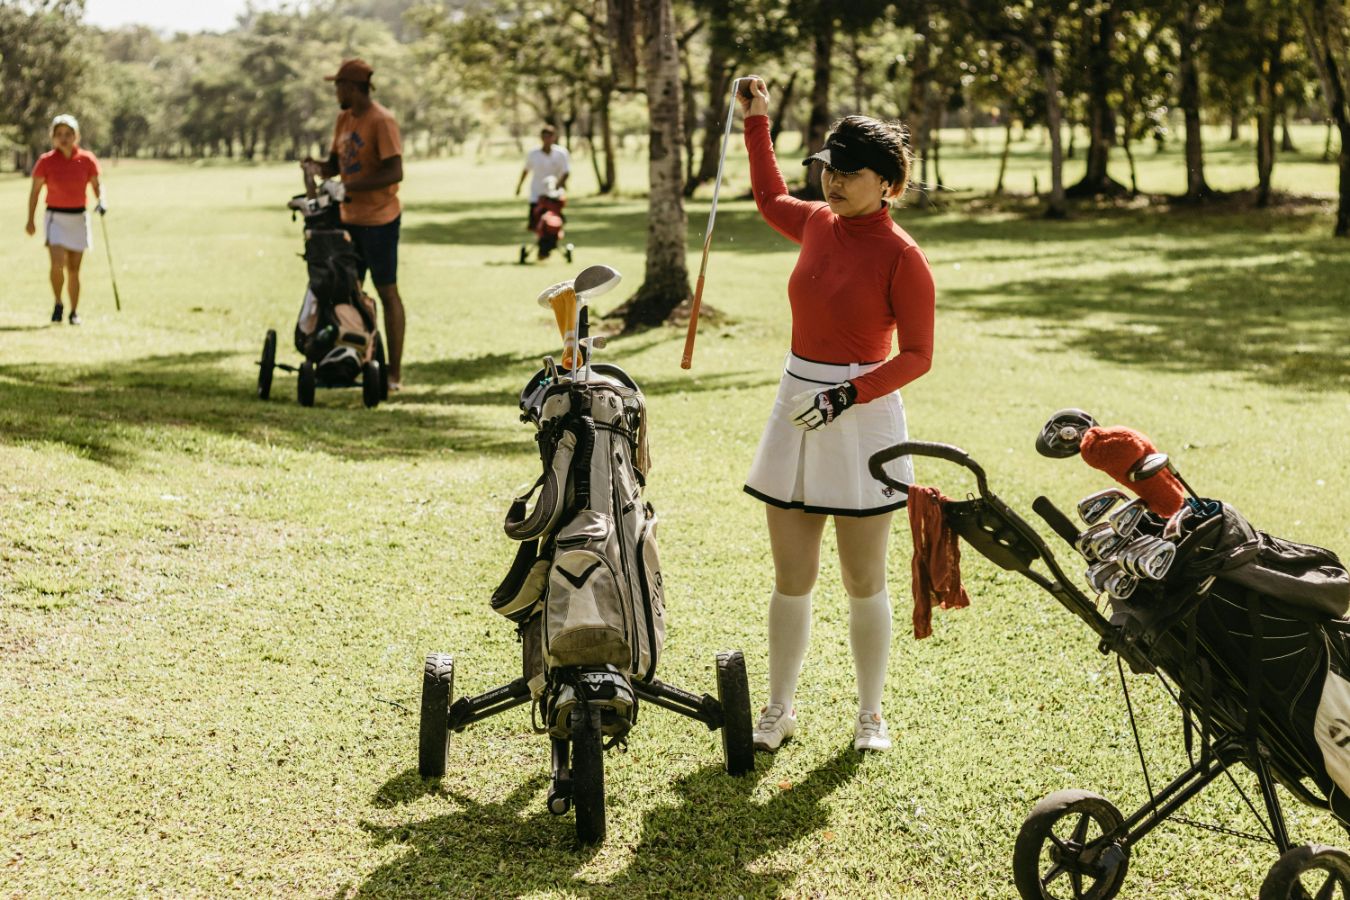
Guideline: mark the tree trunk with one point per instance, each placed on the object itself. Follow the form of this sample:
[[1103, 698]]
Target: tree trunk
[[1101, 118], [1234, 122], [665, 282], [719, 82], [1196, 186], [1269, 85], [610, 180], [1057, 207], [784, 104], [1003, 157], [940, 114], [818, 125], [1323, 32], [689, 116], [921, 106], [1286, 140], [1129, 157]]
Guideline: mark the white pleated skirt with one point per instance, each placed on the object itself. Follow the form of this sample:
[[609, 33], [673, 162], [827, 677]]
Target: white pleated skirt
[[69, 229], [825, 471]]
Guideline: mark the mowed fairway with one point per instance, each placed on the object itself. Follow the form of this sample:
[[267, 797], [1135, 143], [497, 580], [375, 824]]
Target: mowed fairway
[[214, 610]]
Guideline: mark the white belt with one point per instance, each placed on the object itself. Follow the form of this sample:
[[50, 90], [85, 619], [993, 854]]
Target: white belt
[[825, 373]]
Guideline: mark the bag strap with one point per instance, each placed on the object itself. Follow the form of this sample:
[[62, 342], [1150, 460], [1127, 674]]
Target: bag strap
[[523, 525]]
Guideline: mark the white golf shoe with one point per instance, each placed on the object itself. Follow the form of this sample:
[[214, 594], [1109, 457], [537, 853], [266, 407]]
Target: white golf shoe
[[775, 725], [870, 733]]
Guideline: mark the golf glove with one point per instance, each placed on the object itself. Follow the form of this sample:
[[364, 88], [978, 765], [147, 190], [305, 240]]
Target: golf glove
[[816, 409], [101, 208]]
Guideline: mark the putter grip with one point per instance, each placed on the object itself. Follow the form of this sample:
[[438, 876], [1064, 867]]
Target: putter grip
[[694, 306]]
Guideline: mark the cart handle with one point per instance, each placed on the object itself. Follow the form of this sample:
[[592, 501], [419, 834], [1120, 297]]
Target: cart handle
[[949, 452]]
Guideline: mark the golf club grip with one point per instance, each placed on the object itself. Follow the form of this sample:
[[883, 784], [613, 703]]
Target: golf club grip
[[1057, 521], [688, 359]]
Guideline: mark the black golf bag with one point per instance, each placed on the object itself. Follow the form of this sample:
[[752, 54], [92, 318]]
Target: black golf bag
[[336, 329], [587, 569], [1253, 628]]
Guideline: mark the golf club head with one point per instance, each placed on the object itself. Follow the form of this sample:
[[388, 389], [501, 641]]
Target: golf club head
[[1129, 554], [1107, 543], [1109, 578], [593, 281], [1148, 467], [1149, 558], [1092, 507], [1126, 520], [598, 342], [1176, 526], [1086, 543], [1061, 436]]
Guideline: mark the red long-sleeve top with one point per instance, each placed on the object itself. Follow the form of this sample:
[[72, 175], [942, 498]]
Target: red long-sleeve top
[[857, 281]]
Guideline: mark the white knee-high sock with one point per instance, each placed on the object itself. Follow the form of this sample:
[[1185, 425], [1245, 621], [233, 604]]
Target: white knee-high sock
[[789, 634], [869, 634]]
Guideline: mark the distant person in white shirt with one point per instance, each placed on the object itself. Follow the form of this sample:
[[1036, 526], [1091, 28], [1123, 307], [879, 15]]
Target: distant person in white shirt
[[548, 159]]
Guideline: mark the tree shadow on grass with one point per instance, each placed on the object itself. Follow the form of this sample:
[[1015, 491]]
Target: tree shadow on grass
[[704, 845], [112, 413], [1257, 305]]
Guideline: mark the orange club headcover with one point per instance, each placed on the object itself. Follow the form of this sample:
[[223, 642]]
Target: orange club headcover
[[1115, 450]]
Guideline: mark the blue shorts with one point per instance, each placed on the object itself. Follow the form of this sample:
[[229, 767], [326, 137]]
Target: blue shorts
[[377, 247]]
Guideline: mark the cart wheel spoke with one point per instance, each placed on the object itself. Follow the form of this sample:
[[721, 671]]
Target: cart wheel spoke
[[1328, 890], [1055, 871], [1059, 842], [1081, 829], [1077, 881]]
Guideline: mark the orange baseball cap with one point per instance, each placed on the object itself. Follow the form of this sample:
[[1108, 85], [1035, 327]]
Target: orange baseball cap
[[357, 71]]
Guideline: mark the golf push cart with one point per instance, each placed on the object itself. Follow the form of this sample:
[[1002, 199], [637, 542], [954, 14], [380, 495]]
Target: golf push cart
[[585, 590], [336, 330], [546, 222], [1246, 632]]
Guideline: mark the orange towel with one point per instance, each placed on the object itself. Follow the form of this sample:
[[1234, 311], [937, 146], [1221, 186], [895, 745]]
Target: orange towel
[[937, 559]]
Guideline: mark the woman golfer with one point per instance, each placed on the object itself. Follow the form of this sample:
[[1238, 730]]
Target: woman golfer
[[68, 172], [859, 279]]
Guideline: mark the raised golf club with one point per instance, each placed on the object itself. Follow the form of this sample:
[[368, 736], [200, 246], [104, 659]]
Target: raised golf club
[[697, 302]]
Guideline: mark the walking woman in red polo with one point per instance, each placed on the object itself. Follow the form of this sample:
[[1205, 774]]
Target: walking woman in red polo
[[68, 171], [859, 281]]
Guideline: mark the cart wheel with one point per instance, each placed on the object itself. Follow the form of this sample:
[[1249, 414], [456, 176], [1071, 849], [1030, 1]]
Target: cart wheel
[[588, 775], [567, 252], [306, 384], [1066, 849], [1305, 872], [384, 368], [370, 384], [438, 691], [733, 690], [524, 254], [267, 364]]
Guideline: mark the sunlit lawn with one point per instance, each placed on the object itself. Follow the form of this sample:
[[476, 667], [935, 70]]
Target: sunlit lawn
[[213, 610]]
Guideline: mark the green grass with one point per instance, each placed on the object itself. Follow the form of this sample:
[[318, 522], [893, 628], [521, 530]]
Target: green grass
[[213, 610]]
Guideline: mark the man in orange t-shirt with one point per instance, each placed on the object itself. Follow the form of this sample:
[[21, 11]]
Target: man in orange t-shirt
[[368, 155]]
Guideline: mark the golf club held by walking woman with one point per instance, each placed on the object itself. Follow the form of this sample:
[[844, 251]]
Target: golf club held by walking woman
[[117, 298], [697, 302]]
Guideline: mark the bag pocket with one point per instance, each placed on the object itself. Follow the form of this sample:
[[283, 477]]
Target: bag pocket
[[522, 590], [585, 617]]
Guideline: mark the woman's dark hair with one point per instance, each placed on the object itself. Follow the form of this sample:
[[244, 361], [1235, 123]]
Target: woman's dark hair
[[891, 138]]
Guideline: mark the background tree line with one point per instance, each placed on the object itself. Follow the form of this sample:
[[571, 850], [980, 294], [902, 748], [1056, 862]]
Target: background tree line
[[659, 70]]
